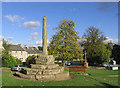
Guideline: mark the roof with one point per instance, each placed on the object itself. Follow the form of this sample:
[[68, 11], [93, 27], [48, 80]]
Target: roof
[[16, 48], [33, 51]]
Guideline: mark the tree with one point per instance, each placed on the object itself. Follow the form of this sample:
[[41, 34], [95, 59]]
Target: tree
[[40, 47], [116, 53], [97, 52], [8, 61], [30, 60], [64, 44], [6, 47]]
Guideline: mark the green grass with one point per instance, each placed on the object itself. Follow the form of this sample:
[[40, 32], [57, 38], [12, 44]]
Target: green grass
[[96, 78]]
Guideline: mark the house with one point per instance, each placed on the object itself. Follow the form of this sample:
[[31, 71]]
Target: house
[[18, 52], [22, 53], [33, 51]]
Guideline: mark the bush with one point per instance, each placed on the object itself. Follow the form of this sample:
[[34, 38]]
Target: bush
[[19, 62], [30, 60], [8, 61]]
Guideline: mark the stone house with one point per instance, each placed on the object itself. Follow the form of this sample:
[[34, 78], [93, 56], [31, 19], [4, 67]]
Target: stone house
[[21, 53], [18, 52], [33, 51]]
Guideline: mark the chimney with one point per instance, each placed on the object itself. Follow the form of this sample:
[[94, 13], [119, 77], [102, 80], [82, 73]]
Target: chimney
[[31, 47]]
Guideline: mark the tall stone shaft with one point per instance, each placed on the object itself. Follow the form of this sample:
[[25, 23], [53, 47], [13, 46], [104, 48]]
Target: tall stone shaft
[[44, 44]]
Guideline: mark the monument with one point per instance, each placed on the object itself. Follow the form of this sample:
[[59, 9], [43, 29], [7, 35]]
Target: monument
[[86, 63], [45, 68]]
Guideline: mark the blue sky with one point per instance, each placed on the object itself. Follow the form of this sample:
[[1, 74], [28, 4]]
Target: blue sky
[[22, 21]]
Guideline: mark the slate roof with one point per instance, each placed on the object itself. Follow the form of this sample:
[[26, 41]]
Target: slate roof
[[16, 48], [33, 51]]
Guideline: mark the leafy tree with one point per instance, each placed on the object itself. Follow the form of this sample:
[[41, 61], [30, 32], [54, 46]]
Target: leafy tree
[[6, 47], [97, 52], [109, 46], [64, 44], [8, 61], [40, 47], [19, 61], [116, 53], [30, 60]]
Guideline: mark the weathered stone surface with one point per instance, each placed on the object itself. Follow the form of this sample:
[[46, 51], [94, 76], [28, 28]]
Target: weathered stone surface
[[38, 66], [26, 76], [38, 77], [51, 66], [53, 71], [63, 75], [30, 71], [44, 36], [45, 59], [48, 77]]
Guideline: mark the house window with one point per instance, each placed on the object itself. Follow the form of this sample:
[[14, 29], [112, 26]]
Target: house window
[[21, 52]]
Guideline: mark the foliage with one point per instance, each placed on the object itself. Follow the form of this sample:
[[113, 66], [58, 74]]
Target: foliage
[[64, 44], [97, 52], [30, 60], [6, 47], [40, 47], [116, 53], [8, 61], [19, 61], [109, 46]]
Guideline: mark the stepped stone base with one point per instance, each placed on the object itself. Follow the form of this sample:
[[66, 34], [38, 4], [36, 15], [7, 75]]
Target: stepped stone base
[[39, 66], [52, 77], [45, 69]]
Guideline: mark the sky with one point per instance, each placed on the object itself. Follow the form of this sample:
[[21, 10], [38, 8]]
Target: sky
[[22, 21]]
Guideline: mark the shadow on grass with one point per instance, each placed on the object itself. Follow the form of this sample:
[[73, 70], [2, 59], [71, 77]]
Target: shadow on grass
[[106, 85]]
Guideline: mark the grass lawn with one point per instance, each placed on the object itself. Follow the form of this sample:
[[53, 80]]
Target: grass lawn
[[96, 78]]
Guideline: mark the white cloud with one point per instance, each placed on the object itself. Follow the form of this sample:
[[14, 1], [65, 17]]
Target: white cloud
[[34, 36], [10, 38], [40, 42], [115, 41], [1, 37], [31, 24], [14, 18]]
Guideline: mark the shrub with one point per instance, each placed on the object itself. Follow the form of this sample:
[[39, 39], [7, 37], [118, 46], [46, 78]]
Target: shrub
[[19, 62], [30, 60], [8, 61]]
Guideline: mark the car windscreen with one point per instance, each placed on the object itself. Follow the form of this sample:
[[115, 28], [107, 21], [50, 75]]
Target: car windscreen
[[21, 66], [76, 63], [16, 65]]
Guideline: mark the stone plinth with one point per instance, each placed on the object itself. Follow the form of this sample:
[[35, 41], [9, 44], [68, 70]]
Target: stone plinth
[[44, 69], [45, 59]]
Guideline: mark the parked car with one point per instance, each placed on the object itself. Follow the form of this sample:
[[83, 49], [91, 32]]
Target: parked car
[[17, 67], [76, 63]]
